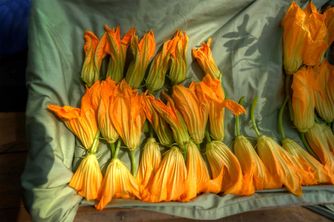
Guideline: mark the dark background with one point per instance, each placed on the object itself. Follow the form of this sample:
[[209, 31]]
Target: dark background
[[13, 54]]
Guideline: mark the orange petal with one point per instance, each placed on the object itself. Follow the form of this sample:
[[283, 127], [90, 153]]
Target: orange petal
[[142, 52], [303, 103], [127, 115], [159, 125], [172, 116], [81, 123], [178, 48], [317, 36], [194, 110], [294, 38], [149, 163], [329, 21]]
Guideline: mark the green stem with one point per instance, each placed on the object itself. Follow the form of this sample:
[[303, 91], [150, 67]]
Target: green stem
[[253, 117], [116, 151], [237, 119], [151, 131], [307, 146], [95, 144], [207, 136], [133, 162], [112, 149], [280, 119]]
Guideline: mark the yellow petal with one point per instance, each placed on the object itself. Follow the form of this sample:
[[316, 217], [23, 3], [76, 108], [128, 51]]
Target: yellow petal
[[303, 99], [223, 162], [279, 164], [87, 178], [168, 183], [255, 174], [198, 175], [311, 170], [149, 162], [117, 183], [203, 56]]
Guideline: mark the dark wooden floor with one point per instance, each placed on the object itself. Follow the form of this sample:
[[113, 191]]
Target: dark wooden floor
[[12, 159]]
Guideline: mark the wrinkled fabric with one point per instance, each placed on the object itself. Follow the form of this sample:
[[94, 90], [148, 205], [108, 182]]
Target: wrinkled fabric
[[247, 48]]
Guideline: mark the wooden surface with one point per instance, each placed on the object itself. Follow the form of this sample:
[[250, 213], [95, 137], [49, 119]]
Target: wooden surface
[[12, 159]]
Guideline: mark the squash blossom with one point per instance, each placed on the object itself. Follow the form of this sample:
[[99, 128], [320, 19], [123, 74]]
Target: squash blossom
[[323, 103], [305, 37], [168, 183], [82, 122], [105, 124], [312, 172], [92, 96], [321, 143], [174, 118], [160, 126], [155, 79], [117, 49], [215, 97], [177, 47], [224, 163], [142, 51], [191, 104], [198, 178], [279, 163], [255, 174], [149, 163], [303, 103], [117, 183], [329, 21], [90, 71], [294, 38], [203, 56], [127, 115], [317, 36]]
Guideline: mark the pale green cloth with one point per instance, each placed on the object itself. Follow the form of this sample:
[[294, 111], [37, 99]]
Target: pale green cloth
[[246, 45]]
